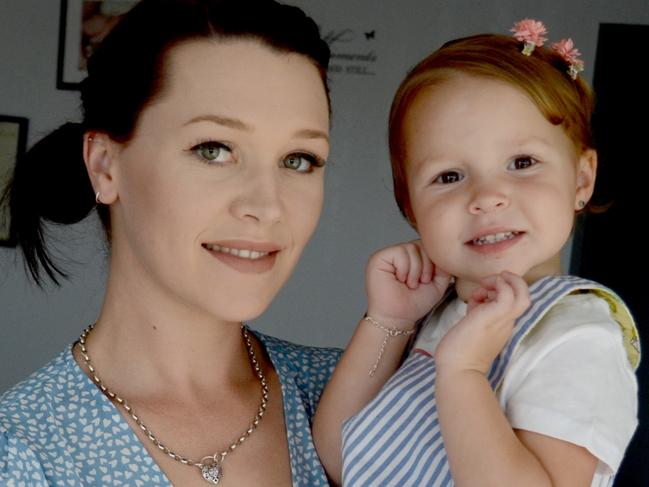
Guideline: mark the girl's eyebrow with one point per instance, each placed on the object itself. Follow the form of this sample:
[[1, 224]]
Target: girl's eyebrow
[[531, 140], [433, 160]]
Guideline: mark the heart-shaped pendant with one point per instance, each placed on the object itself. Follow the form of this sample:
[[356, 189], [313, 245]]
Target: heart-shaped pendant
[[212, 472]]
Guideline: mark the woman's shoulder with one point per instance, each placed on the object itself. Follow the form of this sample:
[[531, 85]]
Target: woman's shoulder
[[310, 366], [299, 355], [19, 465], [28, 411], [303, 370], [26, 408]]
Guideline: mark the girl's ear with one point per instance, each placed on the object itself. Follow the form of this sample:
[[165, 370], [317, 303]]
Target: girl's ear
[[99, 154], [586, 173]]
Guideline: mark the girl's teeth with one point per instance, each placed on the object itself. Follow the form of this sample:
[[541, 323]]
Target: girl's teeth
[[242, 253], [496, 237]]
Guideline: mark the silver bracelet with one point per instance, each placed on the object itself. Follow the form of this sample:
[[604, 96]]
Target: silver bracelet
[[389, 333]]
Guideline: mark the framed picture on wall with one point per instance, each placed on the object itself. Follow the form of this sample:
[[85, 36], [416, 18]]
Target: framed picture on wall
[[13, 140], [83, 25]]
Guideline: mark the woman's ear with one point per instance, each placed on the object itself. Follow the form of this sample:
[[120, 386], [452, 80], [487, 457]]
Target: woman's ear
[[586, 173], [99, 154]]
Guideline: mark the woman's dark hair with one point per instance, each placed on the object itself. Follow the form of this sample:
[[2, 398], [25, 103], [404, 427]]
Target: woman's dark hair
[[125, 74]]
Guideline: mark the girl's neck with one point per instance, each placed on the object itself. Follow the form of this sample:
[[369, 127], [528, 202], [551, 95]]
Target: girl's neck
[[552, 267]]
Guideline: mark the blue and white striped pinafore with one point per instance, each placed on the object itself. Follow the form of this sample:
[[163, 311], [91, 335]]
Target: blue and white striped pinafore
[[396, 440]]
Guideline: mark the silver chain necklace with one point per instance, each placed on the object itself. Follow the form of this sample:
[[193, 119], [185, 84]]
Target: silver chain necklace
[[210, 466]]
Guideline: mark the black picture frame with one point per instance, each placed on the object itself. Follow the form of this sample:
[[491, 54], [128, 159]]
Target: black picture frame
[[13, 142], [67, 76], [74, 45]]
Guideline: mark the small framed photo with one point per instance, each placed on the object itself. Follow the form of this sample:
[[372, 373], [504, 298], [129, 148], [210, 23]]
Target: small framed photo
[[13, 141], [83, 25]]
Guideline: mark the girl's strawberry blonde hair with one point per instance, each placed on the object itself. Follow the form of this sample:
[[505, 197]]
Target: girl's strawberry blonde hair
[[542, 76]]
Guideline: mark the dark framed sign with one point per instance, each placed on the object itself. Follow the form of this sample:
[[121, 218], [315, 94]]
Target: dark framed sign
[[83, 25], [611, 247], [13, 141]]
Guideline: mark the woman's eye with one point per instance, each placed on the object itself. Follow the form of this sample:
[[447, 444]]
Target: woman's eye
[[522, 162], [213, 152], [302, 162], [449, 177]]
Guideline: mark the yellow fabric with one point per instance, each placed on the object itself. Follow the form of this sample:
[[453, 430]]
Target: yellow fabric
[[622, 315]]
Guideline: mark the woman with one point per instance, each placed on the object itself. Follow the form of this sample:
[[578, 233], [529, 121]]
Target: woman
[[203, 143]]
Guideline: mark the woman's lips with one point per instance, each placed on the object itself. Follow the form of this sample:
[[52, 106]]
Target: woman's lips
[[242, 253], [246, 257]]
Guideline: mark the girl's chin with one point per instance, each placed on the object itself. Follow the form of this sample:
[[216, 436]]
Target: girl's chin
[[520, 270]]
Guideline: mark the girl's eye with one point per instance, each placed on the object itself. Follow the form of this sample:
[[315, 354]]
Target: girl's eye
[[449, 177], [212, 152], [302, 162], [522, 162]]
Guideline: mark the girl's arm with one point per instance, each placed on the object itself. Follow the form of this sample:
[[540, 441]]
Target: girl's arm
[[481, 445], [483, 449], [402, 286]]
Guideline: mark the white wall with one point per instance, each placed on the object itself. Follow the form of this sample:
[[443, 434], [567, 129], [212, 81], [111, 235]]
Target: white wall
[[325, 297]]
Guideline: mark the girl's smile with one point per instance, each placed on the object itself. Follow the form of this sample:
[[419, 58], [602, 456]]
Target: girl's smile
[[494, 241]]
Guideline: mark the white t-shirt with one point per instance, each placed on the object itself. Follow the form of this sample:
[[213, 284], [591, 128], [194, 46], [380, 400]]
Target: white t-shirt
[[570, 378]]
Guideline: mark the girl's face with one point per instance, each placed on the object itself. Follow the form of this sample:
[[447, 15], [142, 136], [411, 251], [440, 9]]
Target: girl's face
[[493, 185], [221, 186]]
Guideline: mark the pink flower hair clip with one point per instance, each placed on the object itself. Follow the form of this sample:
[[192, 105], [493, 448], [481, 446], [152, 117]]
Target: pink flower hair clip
[[567, 50], [530, 32]]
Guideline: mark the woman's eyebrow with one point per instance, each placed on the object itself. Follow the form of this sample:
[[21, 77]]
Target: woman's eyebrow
[[238, 124], [312, 134], [220, 120]]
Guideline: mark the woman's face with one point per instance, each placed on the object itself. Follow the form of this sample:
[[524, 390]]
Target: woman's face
[[221, 186]]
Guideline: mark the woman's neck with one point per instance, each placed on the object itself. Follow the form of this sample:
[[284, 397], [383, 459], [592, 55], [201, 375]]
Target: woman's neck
[[146, 340]]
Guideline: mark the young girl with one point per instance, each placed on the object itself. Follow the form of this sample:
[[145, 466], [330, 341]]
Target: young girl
[[505, 384]]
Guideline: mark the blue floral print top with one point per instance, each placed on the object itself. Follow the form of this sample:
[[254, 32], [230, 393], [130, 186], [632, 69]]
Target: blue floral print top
[[57, 428]]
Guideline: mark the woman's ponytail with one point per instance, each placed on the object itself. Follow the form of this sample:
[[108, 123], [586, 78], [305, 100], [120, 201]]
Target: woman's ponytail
[[50, 183]]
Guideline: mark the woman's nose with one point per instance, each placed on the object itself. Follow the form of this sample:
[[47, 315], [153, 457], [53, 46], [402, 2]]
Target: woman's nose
[[260, 198]]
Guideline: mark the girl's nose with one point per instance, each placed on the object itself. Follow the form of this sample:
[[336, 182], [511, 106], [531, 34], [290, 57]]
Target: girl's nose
[[487, 199]]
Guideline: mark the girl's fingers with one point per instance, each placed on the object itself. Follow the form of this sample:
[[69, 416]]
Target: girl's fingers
[[415, 265], [401, 263], [489, 282], [520, 289], [494, 290], [410, 265], [506, 292], [480, 295], [428, 268]]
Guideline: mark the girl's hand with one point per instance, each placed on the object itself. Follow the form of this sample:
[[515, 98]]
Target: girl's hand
[[475, 341], [403, 285]]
